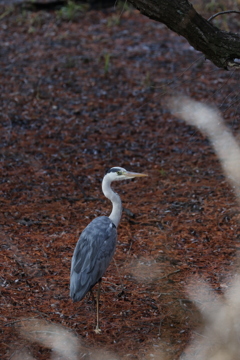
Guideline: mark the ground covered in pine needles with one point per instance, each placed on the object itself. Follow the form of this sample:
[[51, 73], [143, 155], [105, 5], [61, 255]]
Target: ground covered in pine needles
[[79, 95]]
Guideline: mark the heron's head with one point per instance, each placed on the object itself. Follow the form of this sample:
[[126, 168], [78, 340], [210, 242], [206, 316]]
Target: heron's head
[[119, 173]]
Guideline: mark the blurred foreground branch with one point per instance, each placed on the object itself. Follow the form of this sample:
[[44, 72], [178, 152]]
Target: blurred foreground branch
[[209, 121], [63, 343], [220, 339]]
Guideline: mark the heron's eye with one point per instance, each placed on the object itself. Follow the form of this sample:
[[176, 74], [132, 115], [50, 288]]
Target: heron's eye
[[119, 173]]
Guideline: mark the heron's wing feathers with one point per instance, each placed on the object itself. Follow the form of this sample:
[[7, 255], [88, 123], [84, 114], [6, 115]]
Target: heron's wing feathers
[[92, 255]]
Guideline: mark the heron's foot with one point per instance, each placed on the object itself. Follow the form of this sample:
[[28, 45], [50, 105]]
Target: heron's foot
[[97, 330]]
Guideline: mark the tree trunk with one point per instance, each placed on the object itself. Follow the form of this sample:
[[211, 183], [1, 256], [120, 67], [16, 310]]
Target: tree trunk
[[220, 47]]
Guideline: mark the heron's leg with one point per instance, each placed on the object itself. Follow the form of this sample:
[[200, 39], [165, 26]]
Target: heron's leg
[[98, 330], [93, 298]]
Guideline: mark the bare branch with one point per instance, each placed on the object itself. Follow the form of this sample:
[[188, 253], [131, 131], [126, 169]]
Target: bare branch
[[223, 12]]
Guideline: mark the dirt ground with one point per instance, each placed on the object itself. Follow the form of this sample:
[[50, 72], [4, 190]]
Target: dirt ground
[[79, 96]]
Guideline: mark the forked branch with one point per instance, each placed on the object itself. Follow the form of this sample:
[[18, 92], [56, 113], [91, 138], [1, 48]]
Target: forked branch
[[220, 47]]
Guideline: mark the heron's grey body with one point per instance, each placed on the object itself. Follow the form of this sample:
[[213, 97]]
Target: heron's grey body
[[92, 255]]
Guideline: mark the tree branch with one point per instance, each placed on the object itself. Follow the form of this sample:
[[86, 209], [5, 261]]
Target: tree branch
[[222, 13], [220, 47]]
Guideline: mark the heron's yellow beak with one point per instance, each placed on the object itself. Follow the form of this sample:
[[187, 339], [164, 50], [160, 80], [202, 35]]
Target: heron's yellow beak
[[133, 174]]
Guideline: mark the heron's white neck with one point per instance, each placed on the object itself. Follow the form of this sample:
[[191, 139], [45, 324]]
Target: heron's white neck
[[116, 213]]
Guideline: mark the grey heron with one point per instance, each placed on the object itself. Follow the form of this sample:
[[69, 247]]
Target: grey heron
[[96, 245]]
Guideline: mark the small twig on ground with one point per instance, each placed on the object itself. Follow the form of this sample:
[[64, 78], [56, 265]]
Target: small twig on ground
[[20, 320], [171, 273], [119, 275]]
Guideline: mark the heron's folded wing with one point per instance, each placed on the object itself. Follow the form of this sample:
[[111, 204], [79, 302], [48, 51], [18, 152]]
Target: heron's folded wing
[[92, 255]]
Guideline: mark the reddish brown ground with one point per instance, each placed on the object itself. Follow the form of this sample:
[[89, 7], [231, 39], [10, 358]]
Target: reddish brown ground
[[76, 99]]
